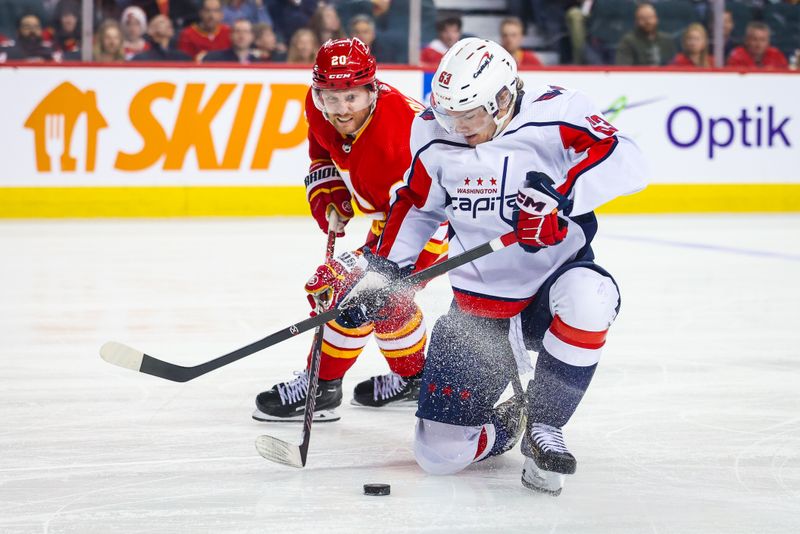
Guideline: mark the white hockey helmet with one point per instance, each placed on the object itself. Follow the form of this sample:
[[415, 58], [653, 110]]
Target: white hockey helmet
[[473, 73]]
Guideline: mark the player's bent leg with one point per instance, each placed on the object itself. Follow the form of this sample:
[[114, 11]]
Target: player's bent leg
[[469, 365], [285, 401], [445, 449], [401, 337], [582, 305]]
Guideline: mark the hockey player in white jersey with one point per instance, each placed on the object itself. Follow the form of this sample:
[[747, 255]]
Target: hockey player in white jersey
[[490, 156]]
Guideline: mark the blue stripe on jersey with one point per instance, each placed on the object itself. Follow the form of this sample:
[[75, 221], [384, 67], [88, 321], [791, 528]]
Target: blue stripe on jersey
[[576, 127], [553, 123]]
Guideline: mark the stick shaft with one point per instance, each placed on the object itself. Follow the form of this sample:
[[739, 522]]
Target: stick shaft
[[179, 373]]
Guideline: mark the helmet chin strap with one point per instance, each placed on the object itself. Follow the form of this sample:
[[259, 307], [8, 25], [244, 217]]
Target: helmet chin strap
[[499, 122]]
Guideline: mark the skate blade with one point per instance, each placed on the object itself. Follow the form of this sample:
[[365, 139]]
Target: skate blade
[[321, 416], [403, 404], [537, 479]]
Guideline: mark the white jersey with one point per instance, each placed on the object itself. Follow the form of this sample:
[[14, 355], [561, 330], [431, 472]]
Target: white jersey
[[556, 131]]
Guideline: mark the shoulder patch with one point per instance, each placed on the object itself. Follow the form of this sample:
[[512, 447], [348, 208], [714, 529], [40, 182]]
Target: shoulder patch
[[427, 115], [551, 94]]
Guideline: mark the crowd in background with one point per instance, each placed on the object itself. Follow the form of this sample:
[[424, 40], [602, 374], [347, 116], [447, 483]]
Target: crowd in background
[[594, 32]]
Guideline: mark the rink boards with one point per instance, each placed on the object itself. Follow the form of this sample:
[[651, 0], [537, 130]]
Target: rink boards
[[155, 140]]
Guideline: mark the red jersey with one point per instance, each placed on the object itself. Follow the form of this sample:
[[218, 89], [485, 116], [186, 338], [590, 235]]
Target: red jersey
[[526, 58], [193, 40], [372, 162], [432, 54], [682, 60], [772, 59]]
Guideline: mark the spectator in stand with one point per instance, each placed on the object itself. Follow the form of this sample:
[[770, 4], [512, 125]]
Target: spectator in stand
[[181, 12], [575, 18], [159, 36], [208, 34], [448, 31], [239, 52], [65, 35], [511, 34], [392, 21], [326, 25], [29, 46], [645, 45], [252, 10], [756, 52], [302, 47], [694, 44], [266, 45], [362, 27], [291, 15], [134, 26], [108, 43], [727, 30]]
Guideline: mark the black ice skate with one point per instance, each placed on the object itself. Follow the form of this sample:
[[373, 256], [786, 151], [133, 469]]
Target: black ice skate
[[388, 389], [286, 401], [509, 419], [548, 459]]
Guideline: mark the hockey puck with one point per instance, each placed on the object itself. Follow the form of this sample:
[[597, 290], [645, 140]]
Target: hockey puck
[[377, 489]]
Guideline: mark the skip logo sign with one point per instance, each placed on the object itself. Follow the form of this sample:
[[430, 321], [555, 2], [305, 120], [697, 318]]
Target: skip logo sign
[[53, 123], [163, 140]]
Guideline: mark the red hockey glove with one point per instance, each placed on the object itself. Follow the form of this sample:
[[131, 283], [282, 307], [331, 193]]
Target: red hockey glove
[[536, 221], [354, 281], [332, 281], [326, 191]]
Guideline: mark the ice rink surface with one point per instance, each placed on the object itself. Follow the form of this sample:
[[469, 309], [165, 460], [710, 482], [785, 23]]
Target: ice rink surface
[[692, 424]]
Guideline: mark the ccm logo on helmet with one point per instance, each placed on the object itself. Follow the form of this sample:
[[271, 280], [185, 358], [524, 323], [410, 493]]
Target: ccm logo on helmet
[[485, 60], [339, 76]]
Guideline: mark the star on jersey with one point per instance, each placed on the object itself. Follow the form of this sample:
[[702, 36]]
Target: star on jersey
[[466, 181]]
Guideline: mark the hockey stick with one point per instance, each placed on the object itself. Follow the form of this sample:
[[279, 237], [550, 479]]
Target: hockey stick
[[281, 451], [130, 358]]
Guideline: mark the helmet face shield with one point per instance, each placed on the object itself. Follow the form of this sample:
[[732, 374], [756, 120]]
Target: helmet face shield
[[466, 123], [343, 101]]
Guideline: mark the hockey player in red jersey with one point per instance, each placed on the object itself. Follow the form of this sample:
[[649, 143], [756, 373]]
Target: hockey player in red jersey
[[359, 149], [490, 157]]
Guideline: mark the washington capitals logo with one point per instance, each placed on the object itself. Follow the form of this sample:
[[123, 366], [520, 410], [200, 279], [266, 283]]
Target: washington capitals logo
[[552, 93], [486, 58]]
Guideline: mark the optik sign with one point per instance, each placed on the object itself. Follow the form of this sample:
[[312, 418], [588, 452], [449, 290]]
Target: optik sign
[[757, 127]]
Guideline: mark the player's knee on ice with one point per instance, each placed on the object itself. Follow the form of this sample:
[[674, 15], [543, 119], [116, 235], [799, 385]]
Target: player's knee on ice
[[444, 449]]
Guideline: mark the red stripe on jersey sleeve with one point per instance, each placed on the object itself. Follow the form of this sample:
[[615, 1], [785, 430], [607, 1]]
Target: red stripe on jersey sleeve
[[584, 339], [581, 141]]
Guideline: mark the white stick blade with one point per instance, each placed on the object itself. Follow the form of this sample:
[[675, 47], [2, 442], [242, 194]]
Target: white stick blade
[[122, 355], [279, 451]]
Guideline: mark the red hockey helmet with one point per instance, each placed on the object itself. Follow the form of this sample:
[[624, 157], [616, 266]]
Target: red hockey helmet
[[342, 64]]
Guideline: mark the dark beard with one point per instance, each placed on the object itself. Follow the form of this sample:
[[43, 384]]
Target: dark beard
[[31, 43]]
